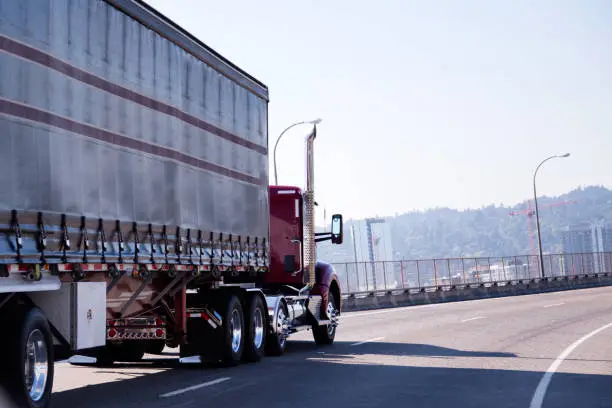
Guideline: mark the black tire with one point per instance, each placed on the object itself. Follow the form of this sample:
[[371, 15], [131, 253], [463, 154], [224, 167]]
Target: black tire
[[256, 329], [128, 351], [155, 346], [277, 342], [229, 355], [325, 335], [27, 324], [131, 351]]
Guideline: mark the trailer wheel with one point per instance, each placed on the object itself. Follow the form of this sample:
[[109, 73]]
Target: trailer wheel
[[29, 358], [155, 346], [232, 346], [276, 342], [326, 334], [254, 348], [127, 351]]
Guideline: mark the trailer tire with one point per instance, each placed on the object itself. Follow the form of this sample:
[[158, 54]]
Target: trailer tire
[[232, 344], [276, 342], [33, 344], [155, 346], [325, 335], [256, 325], [128, 352]]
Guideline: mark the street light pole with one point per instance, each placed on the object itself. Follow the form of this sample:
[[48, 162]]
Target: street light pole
[[313, 122], [537, 213]]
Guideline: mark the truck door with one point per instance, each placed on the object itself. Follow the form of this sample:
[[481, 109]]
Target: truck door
[[285, 235]]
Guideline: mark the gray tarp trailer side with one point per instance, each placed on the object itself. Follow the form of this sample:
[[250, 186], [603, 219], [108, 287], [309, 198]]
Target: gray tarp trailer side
[[134, 200], [119, 131]]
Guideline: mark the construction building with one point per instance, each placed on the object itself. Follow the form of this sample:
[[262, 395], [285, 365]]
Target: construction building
[[594, 244]]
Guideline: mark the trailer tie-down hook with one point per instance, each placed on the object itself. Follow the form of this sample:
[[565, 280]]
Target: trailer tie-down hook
[[33, 273]]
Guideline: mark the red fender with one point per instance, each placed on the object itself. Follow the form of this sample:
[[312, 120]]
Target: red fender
[[325, 274]]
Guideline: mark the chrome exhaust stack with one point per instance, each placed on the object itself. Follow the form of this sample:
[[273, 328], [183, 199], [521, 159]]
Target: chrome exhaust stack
[[309, 248]]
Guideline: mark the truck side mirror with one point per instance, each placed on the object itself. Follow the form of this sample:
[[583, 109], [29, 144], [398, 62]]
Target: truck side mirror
[[336, 229]]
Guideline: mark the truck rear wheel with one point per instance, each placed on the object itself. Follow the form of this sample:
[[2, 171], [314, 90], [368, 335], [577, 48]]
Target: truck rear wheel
[[326, 334], [28, 358], [277, 340], [255, 344], [232, 346]]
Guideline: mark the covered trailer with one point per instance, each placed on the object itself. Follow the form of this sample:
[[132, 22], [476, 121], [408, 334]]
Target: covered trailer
[[134, 161], [135, 211], [115, 122]]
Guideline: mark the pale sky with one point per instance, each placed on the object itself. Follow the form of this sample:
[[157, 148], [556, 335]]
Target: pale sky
[[425, 103]]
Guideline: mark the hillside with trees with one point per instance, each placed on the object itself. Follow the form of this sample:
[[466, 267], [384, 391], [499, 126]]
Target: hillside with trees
[[491, 231]]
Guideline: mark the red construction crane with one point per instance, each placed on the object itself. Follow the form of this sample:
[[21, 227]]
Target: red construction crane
[[530, 213]]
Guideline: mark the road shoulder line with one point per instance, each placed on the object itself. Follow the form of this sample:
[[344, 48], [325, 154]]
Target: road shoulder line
[[472, 319], [540, 392], [194, 387], [554, 304], [359, 343]]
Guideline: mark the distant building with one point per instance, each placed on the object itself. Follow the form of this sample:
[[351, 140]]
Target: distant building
[[594, 244]]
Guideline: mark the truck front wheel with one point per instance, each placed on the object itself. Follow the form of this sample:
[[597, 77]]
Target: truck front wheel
[[327, 333], [28, 358]]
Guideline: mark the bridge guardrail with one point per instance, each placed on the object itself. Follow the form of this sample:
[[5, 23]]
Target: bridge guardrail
[[427, 275]]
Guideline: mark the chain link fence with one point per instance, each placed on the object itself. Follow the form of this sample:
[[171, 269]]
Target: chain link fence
[[366, 277]]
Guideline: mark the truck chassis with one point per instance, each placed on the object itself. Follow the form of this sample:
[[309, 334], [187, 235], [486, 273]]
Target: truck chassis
[[59, 309]]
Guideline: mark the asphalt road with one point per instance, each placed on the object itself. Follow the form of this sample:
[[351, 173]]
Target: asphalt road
[[549, 350]]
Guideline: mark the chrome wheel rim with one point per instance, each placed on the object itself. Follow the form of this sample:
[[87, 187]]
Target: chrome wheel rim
[[236, 326], [331, 312], [258, 327], [280, 323], [36, 365]]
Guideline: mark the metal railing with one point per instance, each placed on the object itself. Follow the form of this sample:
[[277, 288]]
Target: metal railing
[[368, 277]]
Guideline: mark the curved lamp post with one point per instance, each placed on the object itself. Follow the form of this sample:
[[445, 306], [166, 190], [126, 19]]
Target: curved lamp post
[[312, 122], [535, 199]]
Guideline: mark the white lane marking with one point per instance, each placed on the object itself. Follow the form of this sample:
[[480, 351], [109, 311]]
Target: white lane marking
[[554, 304], [367, 341], [195, 387], [472, 318], [540, 392]]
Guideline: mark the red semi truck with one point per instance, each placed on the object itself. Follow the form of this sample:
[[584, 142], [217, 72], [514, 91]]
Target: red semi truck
[[135, 211]]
